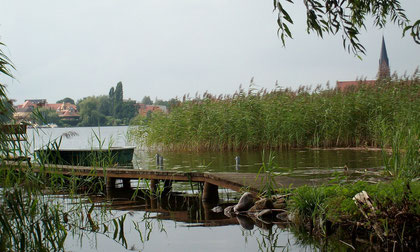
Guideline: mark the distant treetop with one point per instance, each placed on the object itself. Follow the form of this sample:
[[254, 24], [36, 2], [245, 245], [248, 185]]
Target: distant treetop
[[66, 100]]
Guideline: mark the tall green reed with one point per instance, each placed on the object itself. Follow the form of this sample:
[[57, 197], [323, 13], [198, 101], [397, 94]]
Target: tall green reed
[[267, 175], [282, 118], [403, 160]]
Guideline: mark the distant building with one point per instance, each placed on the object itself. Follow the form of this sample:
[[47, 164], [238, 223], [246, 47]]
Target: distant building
[[31, 104], [24, 111], [65, 111], [343, 85], [383, 72], [143, 108]]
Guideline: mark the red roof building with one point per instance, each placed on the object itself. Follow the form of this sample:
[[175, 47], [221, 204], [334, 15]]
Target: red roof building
[[143, 109], [64, 110], [343, 85]]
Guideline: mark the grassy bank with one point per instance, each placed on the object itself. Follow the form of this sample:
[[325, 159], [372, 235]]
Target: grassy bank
[[282, 118], [394, 216]]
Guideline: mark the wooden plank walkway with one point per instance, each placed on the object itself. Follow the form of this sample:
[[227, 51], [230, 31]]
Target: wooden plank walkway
[[230, 180]]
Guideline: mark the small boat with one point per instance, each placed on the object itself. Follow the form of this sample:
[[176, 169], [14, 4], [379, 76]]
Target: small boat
[[113, 156]]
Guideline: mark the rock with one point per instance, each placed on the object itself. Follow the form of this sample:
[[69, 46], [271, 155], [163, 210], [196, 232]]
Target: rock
[[291, 216], [245, 202], [279, 204], [282, 216], [229, 212], [217, 209], [263, 225], [245, 222], [265, 215], [262, 204]]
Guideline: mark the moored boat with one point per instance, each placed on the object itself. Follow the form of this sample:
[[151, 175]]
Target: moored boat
[[113, 156]]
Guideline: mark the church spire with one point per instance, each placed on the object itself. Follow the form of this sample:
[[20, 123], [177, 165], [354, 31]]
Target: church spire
[[384, 71]]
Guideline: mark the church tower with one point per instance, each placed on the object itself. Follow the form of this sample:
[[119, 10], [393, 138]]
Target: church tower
[[384, 71]]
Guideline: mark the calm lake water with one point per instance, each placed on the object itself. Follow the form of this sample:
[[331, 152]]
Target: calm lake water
[[183, 222], [307, 163]]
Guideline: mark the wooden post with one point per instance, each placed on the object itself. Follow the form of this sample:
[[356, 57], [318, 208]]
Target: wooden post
[[207, 206], [126, 183], [210, 192], [154, 183], [110, 183], [237, 159], [157, 161], [167, 187], [153, 203], [161, 162]]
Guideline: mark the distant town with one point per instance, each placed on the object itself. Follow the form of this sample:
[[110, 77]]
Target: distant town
[[113, 110], [104, 110]]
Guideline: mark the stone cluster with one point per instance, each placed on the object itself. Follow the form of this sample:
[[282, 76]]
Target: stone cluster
[[262, 212]]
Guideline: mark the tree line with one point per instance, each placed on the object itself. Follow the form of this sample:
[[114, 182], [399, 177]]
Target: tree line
[[103, 110]]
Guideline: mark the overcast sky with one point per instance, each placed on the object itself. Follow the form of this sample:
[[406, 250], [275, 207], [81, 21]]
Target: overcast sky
[[169, 48]]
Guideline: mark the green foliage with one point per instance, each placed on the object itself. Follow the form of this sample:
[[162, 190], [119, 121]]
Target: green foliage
[[106, 110], [146, 100], [404, 159], [66, 100], [129, 110], [26, 224], [118, 101], [267, 175], [334, 202], [257, 119], [348, 18], [45, 116], [309, 202], [6, 108], [90, 114]]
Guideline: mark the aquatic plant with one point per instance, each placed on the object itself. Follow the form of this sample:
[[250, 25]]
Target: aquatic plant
[[327, 207], [28, 224], [282, 118], [267, 175], [309, 203], [403, 161]]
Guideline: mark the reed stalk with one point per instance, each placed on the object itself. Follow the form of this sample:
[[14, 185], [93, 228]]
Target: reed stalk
[[280, 119]]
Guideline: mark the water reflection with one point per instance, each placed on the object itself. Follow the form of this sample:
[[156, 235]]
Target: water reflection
[[319, 165], [182, 223]]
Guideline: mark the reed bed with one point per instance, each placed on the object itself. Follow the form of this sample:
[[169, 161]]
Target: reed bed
[[367, 116]]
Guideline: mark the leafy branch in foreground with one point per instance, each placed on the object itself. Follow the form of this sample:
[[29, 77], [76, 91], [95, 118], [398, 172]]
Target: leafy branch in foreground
[[348, 17]]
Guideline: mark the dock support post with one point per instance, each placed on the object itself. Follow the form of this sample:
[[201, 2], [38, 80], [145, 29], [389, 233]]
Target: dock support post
[[126, 183], [110, 183], [210, 192], [153, 203], [237, 161], [157, 161], [207, 206], [161, 162], [167, 187], [154, 183]]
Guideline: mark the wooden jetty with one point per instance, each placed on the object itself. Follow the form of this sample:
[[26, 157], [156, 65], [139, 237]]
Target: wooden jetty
[[212, 181]]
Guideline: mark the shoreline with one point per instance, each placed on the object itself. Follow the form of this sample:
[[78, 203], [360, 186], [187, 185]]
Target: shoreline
[[387, 213]]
